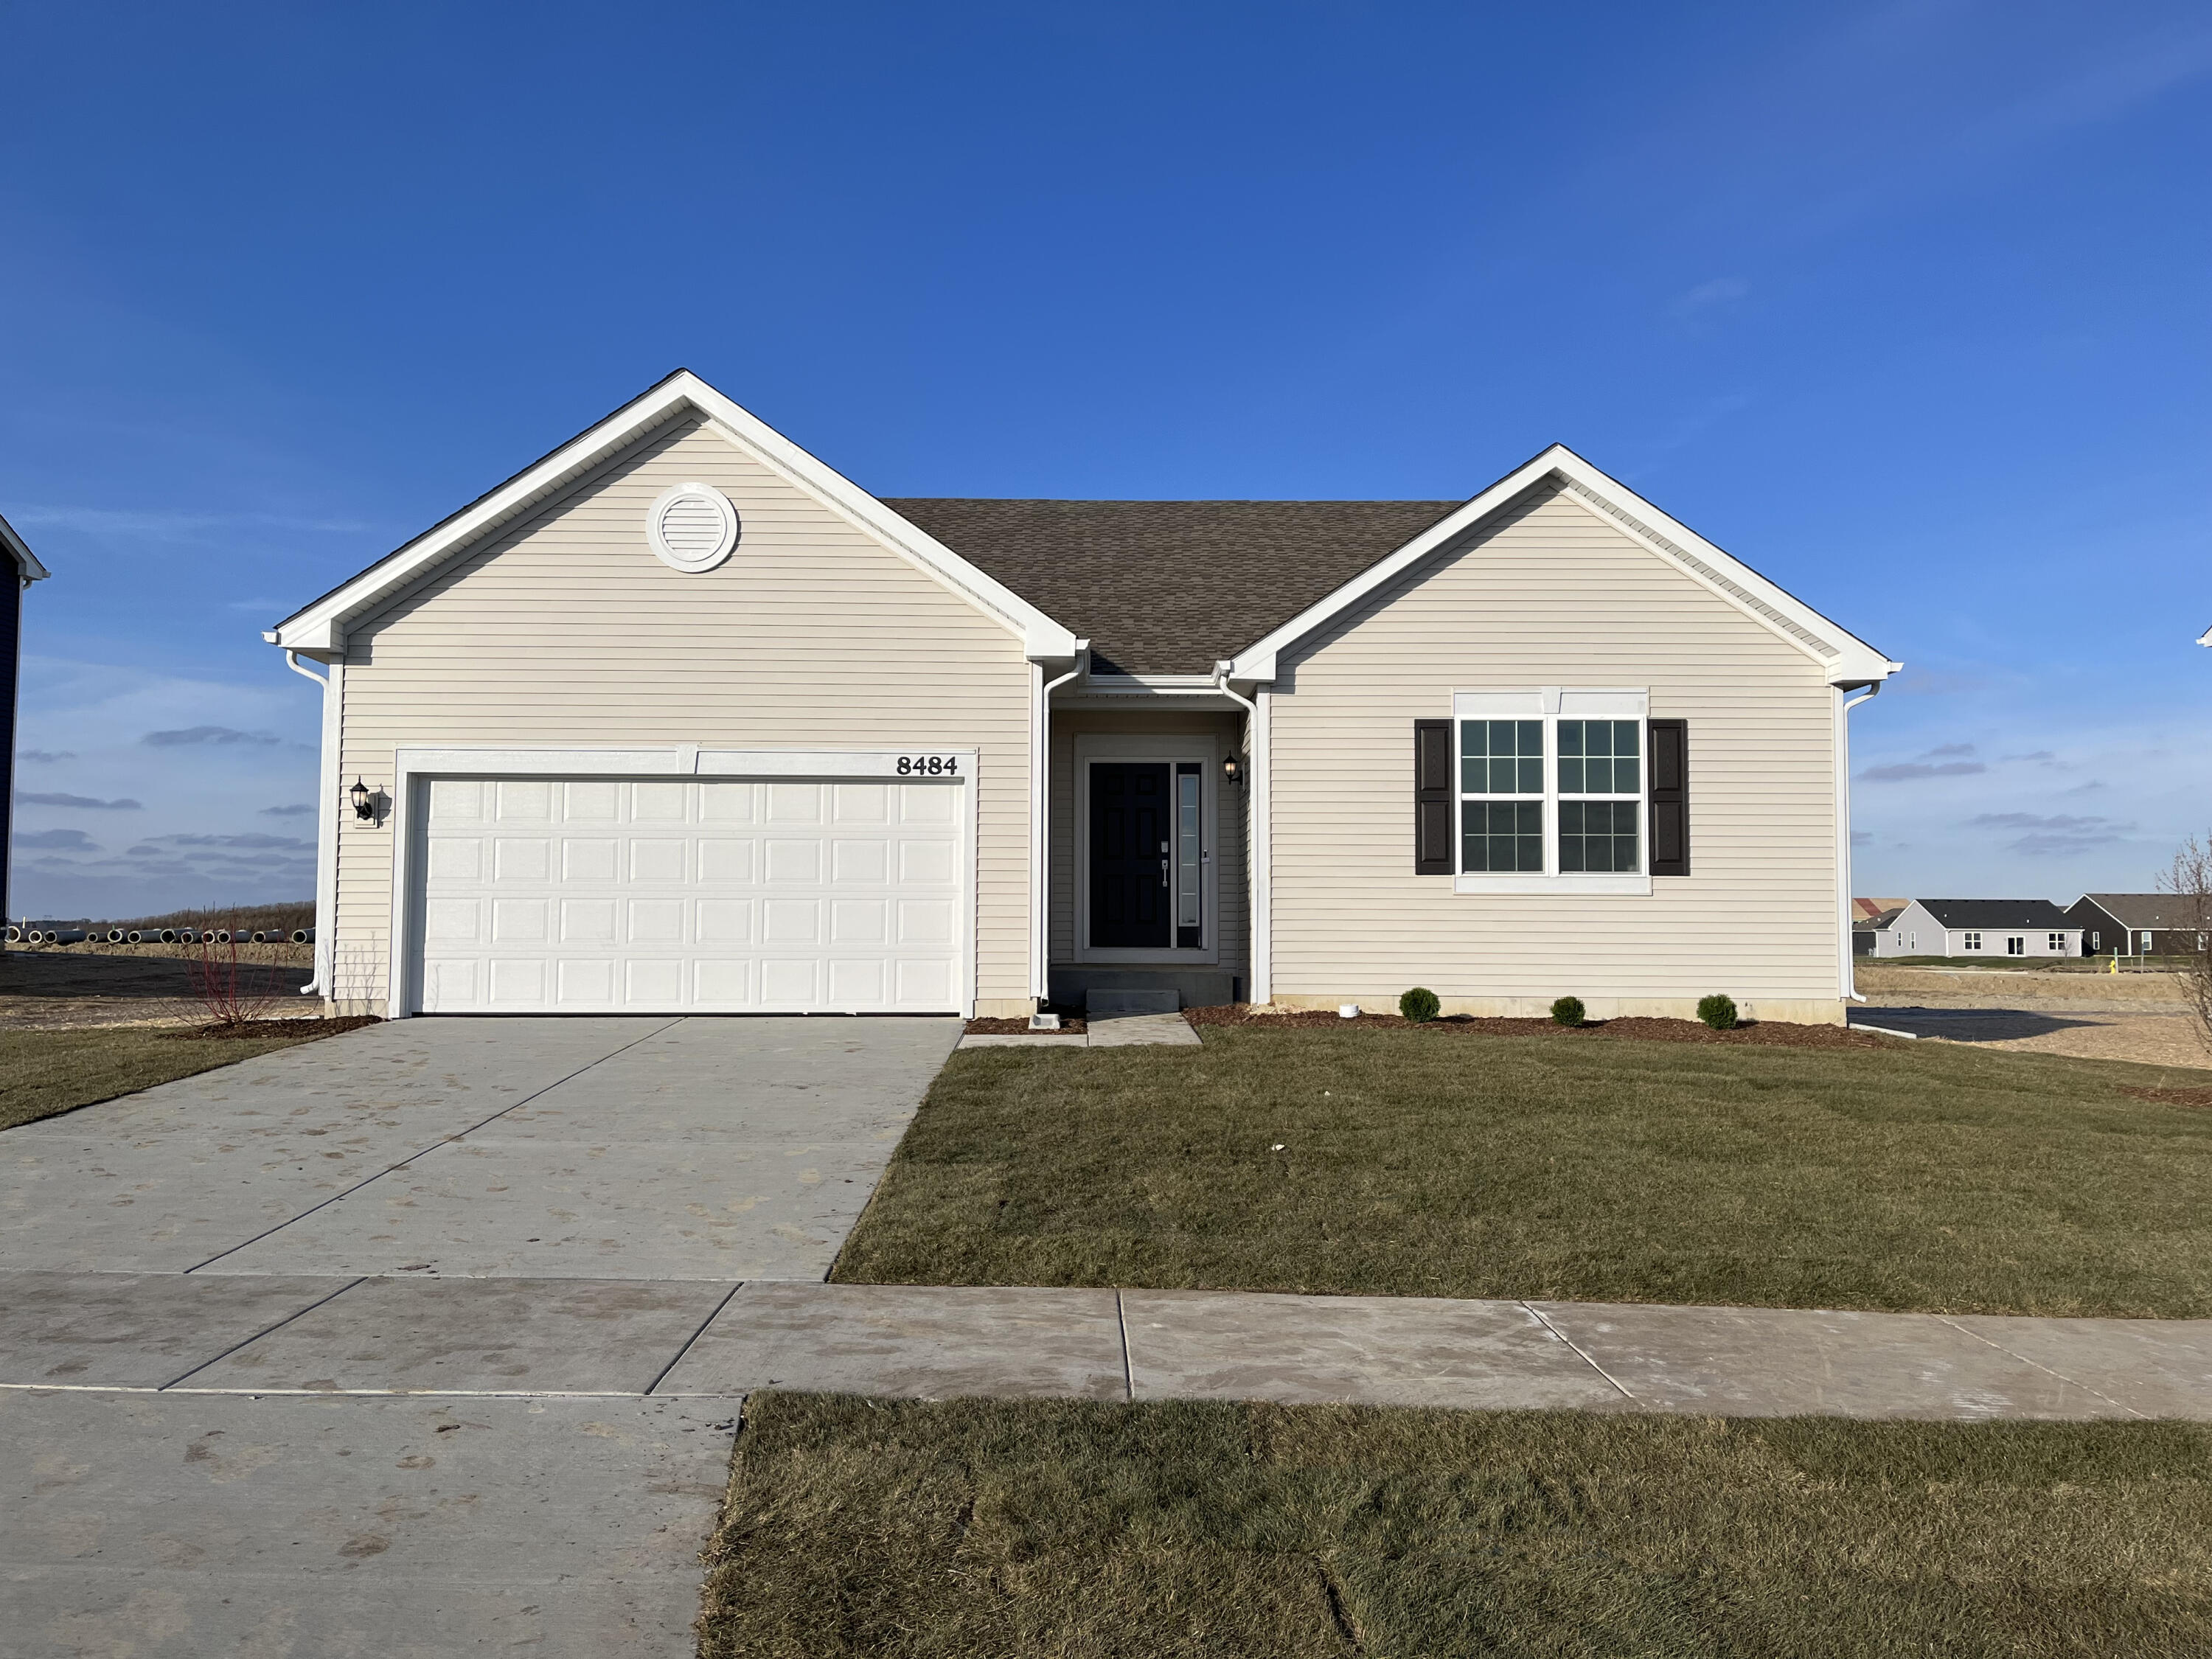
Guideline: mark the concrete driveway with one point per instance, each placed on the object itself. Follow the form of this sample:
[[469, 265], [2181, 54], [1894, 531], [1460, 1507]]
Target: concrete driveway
[[346, 1349], [718, 1149]]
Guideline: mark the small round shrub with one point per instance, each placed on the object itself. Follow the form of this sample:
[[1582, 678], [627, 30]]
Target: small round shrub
[[1717, 1011], [1418, 1006], [1568, 1011]]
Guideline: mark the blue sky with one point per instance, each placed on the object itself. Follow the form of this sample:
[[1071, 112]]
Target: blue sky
[[1905, 305]]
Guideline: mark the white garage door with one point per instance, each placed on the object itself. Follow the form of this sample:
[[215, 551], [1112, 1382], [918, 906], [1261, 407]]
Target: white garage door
[[706, 896]]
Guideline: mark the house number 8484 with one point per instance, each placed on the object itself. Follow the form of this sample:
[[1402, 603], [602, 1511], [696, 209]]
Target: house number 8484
[[927, 766]]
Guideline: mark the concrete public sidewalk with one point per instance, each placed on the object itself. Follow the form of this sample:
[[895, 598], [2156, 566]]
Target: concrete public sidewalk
[[662, 1340]]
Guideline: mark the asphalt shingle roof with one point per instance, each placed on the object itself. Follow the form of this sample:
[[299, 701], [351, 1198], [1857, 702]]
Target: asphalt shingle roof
[[1171, 587], [2153, 910], [1996, 913]]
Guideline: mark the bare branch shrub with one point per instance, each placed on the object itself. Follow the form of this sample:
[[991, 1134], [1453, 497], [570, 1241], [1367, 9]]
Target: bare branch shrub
[[231, 982], [2190, 880]]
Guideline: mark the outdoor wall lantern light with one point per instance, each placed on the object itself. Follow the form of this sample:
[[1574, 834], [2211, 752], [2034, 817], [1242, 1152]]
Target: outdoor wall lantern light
[[1232, 769], [364, 801]]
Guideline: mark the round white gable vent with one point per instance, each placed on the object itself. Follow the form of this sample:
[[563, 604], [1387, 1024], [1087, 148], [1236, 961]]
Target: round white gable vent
[[692, 528]]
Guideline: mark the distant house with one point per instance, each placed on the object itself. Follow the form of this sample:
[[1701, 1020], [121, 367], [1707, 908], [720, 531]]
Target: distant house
[[2139, 924], [1868, 918], [27, 570], [1980, 927]]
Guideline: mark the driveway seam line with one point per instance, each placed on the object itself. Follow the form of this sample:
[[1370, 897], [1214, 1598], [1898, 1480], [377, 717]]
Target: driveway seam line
[[443, 1140], [1537, 1314], [1128, 1371], [2046, 1370], [690, 1341], [301, 1313]]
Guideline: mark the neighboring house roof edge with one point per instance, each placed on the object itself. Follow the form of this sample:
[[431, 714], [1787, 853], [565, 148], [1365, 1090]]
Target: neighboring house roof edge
[[27, 562], [319, 627], [1849, 661]]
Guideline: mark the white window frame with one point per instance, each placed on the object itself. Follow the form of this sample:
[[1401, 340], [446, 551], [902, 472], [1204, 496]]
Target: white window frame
[[1551, 704], [2057, 944], [2016, 945], [1970, 940]]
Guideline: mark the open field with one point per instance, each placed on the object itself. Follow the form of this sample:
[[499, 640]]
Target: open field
[[1909, 1177], [1883, 981], [67, 986], [990, 1529]]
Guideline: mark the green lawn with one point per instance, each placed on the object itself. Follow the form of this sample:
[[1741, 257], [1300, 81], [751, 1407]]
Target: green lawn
[[978, 1529], [44, 1073], [1432, 1163]]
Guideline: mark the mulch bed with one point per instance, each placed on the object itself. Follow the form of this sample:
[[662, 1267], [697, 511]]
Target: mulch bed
[[2173, 1096], [1070, 1025], [245, 1030], [1767, 1033]]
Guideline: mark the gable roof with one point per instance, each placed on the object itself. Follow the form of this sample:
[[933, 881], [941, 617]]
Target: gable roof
[[318, 629], [1995, 913], [2153, 910], [1848, 660], [27, 562], [1171, 587]]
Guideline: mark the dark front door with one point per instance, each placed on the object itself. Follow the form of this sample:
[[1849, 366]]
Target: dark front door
[[1130, 832]]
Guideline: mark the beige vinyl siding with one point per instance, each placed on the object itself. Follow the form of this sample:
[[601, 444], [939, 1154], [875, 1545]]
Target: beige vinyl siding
[[1228, 839], [1549, 595], [565, 630]]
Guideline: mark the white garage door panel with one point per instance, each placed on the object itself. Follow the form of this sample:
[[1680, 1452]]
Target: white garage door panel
[[705, 895]]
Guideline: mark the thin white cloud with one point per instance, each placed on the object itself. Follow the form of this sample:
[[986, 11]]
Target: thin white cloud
[[177, 524], [1719, 291]]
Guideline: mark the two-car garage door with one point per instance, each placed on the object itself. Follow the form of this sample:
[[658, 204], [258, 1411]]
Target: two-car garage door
[[689, 895]]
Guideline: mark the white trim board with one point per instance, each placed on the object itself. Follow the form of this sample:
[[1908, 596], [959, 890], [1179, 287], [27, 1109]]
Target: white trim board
[[27, 562], [318, 629], [1847, 660], [413, 766]]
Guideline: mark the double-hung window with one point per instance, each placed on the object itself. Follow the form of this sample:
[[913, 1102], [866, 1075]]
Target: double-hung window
[[1971, 942], [1553, 791], [2057, 943]]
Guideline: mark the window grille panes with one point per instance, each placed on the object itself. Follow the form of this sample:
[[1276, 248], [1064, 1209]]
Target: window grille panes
[[1189, 864], [1502, 836], [2058, 943], [1972, 942], [1598, 834], [1501, 758], [1601, 757]]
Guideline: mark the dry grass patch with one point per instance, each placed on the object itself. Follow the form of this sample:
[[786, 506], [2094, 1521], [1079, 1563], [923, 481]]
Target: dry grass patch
[[975, 1529], [1909, 1177]]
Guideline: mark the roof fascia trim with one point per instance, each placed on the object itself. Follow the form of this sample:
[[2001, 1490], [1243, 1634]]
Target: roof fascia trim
[[320, 627], [1847, 658], [27, 562]]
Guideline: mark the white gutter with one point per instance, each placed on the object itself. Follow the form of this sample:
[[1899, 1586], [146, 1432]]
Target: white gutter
[[327, 827], [1259, 831], [1848, 978], [1040, 807]]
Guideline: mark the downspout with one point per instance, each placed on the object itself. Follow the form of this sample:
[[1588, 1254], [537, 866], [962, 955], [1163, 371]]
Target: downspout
[[1258, 845], [1849, 977], [1040, 807], [326, 829]]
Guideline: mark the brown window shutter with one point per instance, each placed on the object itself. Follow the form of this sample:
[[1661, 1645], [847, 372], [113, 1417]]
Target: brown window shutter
[[1670, 797], [1432, 798]]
